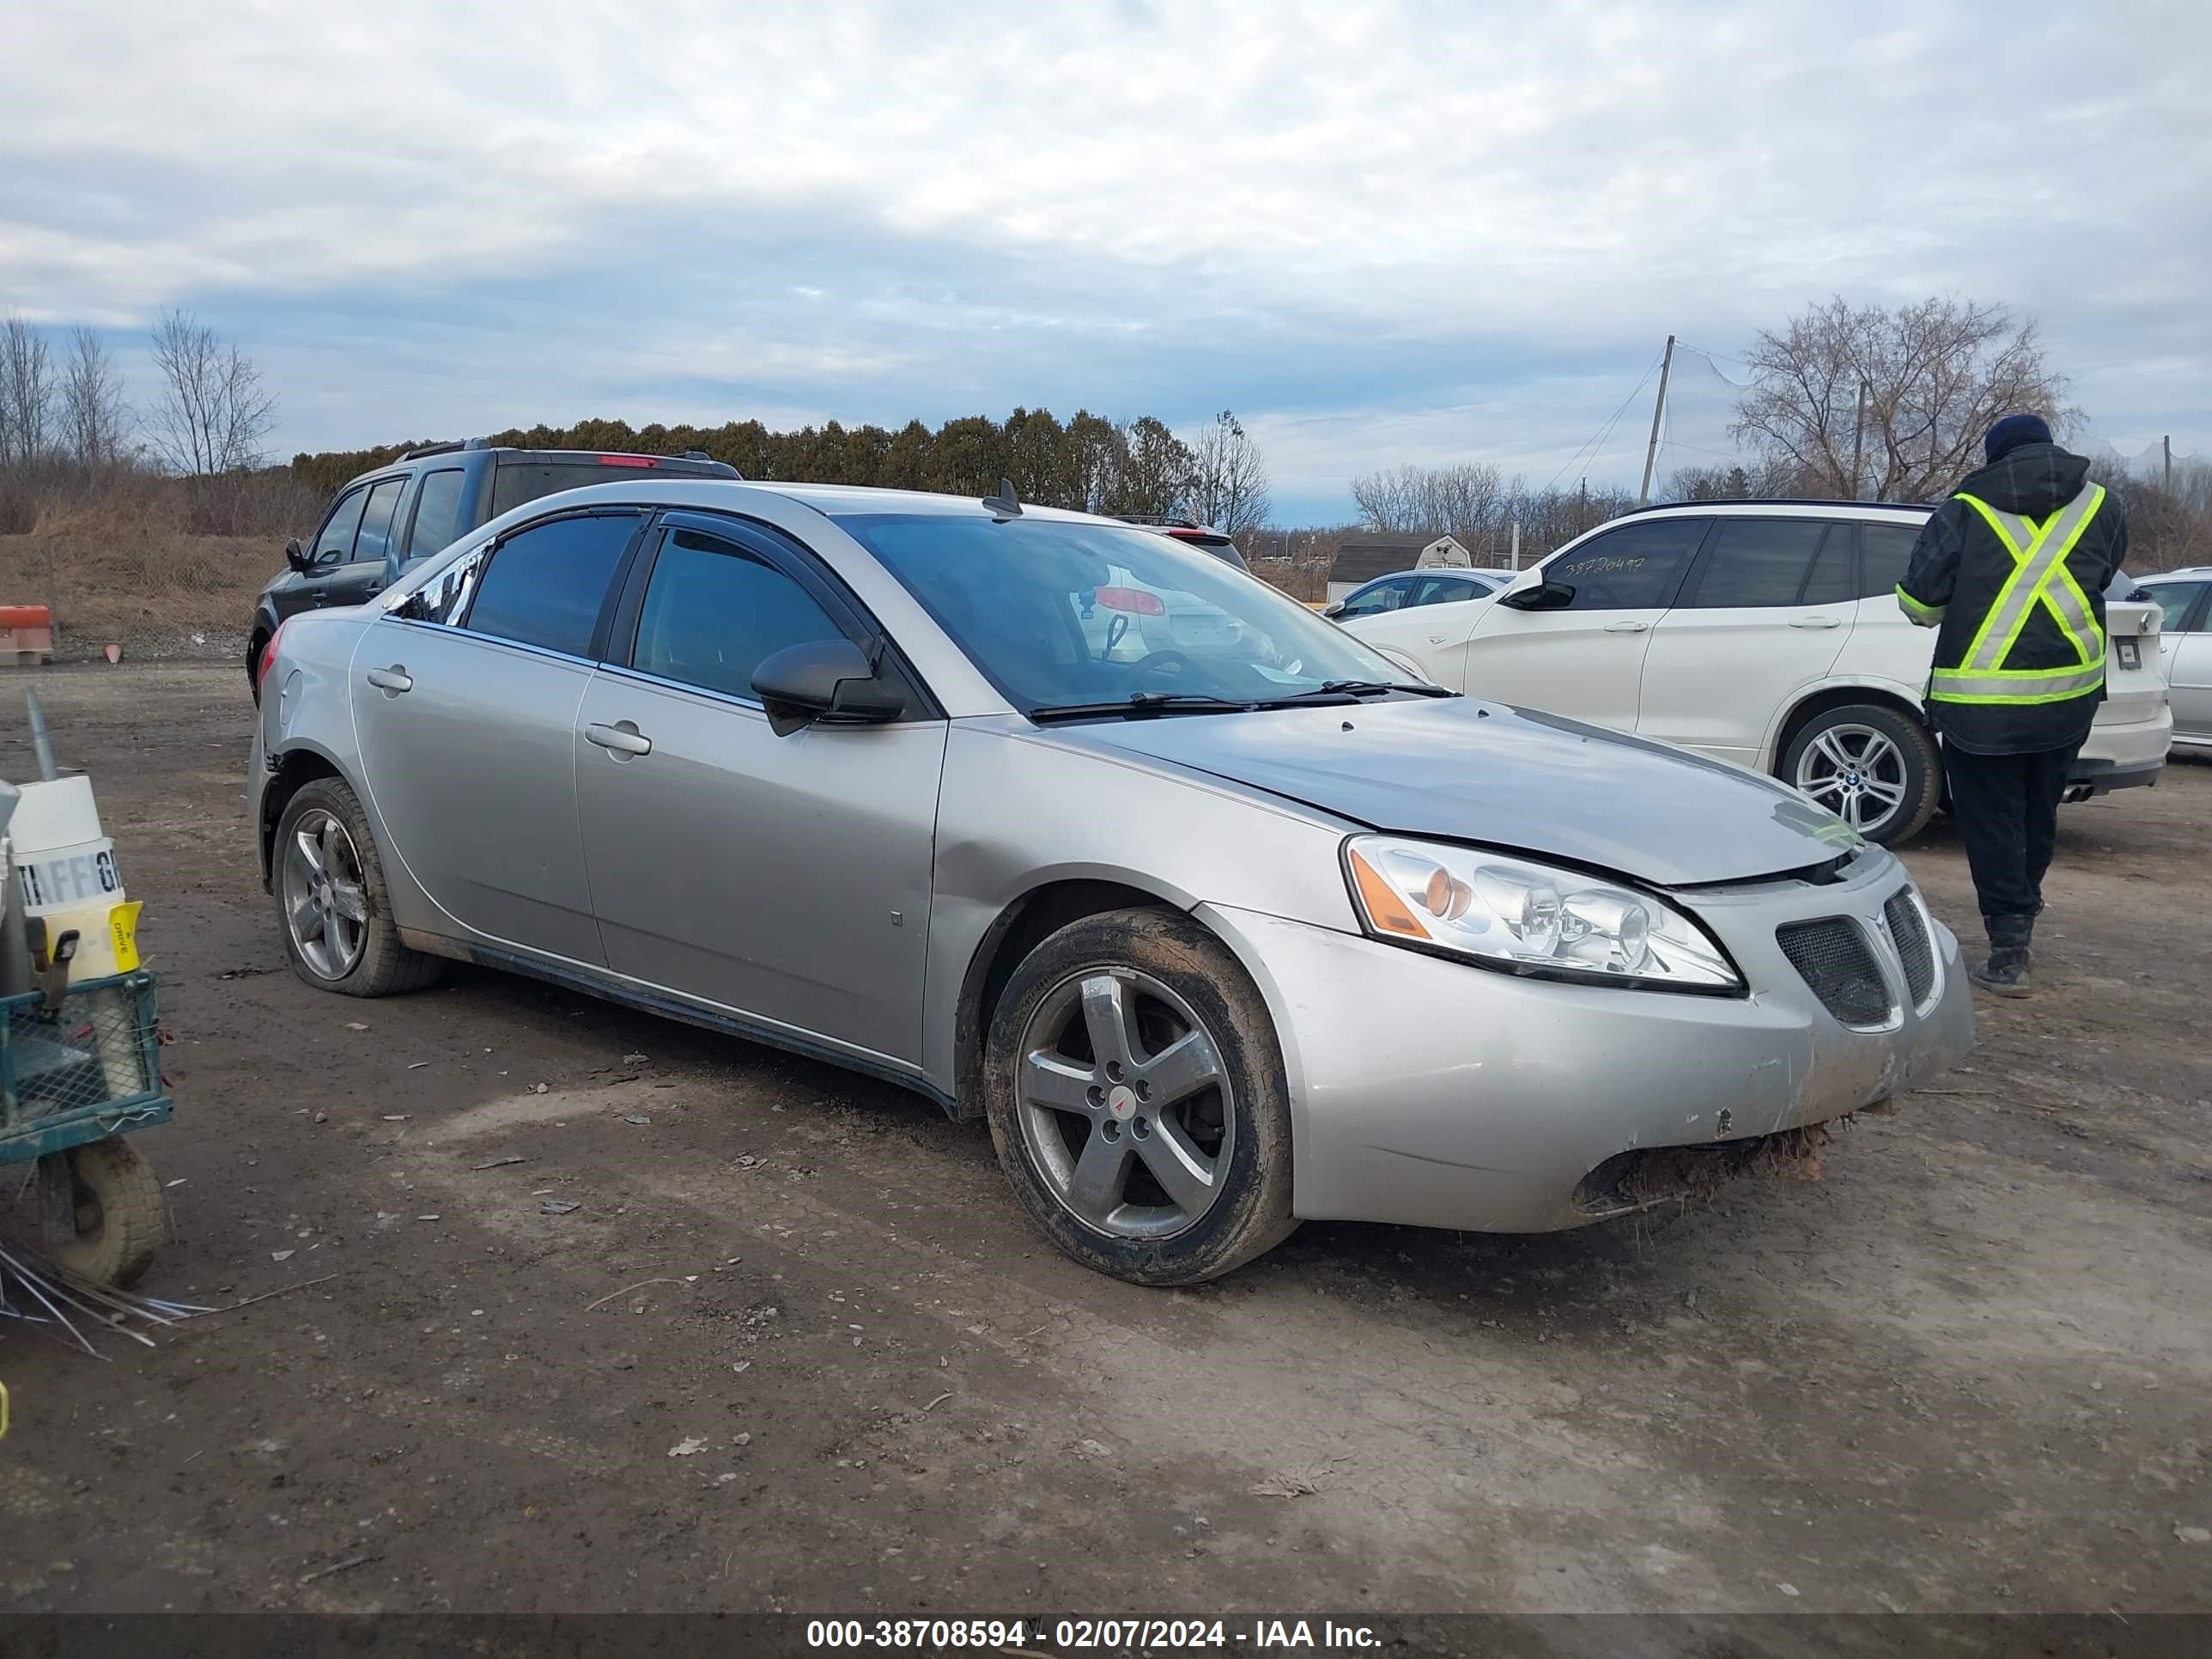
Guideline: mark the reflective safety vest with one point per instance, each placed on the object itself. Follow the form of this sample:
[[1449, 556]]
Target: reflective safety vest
[[2039, 578]]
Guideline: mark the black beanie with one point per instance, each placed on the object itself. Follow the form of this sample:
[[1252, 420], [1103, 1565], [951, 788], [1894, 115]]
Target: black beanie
[[2011, 433]]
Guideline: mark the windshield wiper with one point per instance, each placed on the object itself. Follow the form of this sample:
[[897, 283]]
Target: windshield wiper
[[1137, 702], [1335, 689]]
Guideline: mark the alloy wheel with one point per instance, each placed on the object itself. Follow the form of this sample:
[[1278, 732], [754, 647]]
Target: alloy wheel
[[1124, 1104], [326, 900], [1856, 772]]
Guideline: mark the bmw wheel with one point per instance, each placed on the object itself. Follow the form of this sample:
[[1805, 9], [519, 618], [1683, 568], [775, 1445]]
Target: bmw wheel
[[1137, 1102], [1874, 768]]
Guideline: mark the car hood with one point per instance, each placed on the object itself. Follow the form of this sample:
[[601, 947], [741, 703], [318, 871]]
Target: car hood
[[1460, 769]]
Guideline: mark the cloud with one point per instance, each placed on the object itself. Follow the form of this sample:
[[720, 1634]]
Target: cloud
[[1460, 230]]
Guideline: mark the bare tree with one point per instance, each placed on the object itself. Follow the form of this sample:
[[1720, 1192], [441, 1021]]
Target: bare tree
[[212, 413], [27, 394], [1845, 396], [1466, 501], [1229, 478], [96, 417]]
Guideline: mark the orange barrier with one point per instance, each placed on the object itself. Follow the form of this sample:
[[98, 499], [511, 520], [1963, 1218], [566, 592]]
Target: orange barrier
[[26, 635]]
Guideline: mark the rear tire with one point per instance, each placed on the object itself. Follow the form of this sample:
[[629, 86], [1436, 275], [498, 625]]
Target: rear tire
[[1137, 1098], [1877, 769], [254, 648], [333, 907], [118, 1200]]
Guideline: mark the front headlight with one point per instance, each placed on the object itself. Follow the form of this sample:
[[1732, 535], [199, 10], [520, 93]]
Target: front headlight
[[1526, 917]]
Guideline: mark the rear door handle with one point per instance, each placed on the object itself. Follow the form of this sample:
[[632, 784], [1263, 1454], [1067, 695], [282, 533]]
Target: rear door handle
[[622, 738], [392, 680], [1816, 621], [1630, 626]]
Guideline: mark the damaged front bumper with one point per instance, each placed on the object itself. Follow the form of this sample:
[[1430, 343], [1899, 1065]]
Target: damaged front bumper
[[1433, 1093]]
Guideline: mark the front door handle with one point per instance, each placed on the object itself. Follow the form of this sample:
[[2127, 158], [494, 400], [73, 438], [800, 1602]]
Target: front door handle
[[1627, 626], [391, 681], [1816, 621], [620, 739]]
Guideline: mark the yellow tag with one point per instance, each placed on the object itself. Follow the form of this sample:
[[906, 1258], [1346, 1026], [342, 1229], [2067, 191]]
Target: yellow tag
[[123, 932]]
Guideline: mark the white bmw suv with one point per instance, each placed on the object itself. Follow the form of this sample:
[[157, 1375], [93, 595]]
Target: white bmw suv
[[1764, 633]]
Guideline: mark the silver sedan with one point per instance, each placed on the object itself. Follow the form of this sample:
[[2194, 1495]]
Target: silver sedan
[[1220, 930]]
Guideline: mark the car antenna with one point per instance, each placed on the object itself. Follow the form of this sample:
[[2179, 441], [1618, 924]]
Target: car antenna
[[1004, 505]]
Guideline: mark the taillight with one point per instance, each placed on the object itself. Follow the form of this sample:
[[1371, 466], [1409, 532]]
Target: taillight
[[1132, 598], [627, 460], [268, 653]]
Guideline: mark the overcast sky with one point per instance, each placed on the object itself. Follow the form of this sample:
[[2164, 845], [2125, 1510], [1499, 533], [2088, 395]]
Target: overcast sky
[[1380, 232]]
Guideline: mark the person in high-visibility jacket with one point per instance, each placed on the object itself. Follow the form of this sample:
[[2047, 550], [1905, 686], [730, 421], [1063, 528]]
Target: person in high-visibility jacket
[[2011, 573]]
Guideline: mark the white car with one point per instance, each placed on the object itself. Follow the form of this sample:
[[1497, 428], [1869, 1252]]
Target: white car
[[1764, 633], [2183, 599]]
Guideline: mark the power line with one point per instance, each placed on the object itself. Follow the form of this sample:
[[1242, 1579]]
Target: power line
[[1593, 446]]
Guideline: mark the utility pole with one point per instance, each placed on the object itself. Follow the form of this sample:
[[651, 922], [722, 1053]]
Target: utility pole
[[1658, 408], [2168, 441], [1517, 544], [1858, 437]]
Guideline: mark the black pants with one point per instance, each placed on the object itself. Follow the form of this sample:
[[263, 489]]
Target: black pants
[[2007, 808]]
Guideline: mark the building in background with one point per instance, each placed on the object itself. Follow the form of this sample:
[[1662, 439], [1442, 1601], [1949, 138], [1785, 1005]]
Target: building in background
[[1369, 554]]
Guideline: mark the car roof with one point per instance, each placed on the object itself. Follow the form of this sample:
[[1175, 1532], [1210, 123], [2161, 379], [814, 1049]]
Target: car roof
[[2187, 573], [430, 457], [1783, 506], [1479, 572]]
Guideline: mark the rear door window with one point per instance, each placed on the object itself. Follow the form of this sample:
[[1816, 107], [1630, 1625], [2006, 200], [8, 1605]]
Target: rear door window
[[1754, 563], [713, 610], [374, 539], [1635, 566], [547, 583], [437, 513], [1885, 553], [1446, 590]]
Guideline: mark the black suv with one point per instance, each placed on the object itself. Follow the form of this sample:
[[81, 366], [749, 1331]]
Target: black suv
[[421, 503]]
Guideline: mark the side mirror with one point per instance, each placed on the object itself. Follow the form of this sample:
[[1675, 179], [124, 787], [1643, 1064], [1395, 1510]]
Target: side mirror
[[296, 556], [1545, 595], [826, 682]]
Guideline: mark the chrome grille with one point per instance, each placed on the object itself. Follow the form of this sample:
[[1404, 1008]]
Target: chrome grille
[[1836, 960], [1909, 932]]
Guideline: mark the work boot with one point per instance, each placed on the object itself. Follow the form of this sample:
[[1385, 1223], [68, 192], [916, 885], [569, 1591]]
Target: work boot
[[2005, 974]]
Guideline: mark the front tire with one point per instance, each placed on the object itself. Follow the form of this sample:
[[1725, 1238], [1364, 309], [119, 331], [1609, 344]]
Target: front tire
[[1137, 1098], [1875, 769], [333, 905]]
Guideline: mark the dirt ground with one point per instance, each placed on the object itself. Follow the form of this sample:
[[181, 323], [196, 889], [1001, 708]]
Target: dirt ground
[[793, 1348]]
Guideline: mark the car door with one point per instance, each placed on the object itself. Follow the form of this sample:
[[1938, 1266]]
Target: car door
[[2185, 644], [1883, 647], [465, 705], [786, 878], [1764, 616], [1432, 625], [1582, 655], [329, 550], [359, 577]]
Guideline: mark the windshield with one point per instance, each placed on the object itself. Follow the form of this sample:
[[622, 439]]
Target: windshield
[[1059, 614]]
